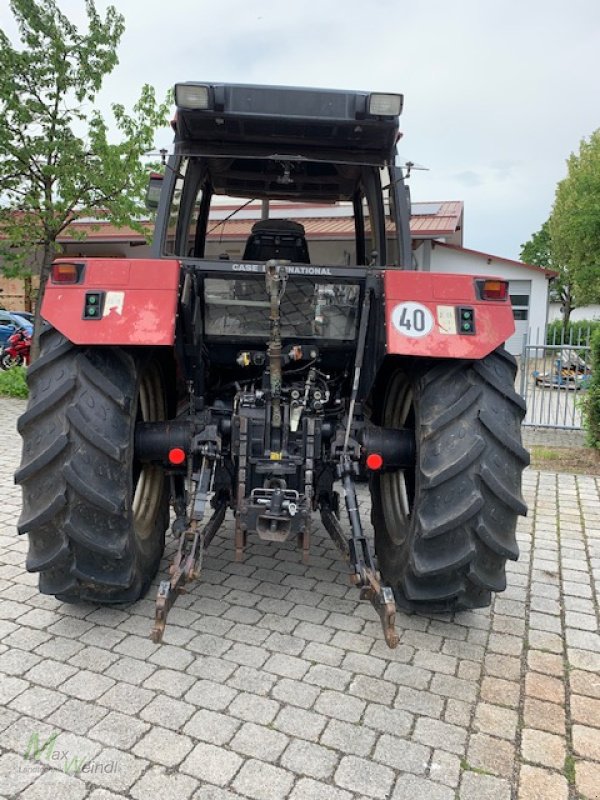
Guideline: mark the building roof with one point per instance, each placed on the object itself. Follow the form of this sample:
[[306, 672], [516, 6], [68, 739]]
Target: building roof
[[549, 273], [321, 221]]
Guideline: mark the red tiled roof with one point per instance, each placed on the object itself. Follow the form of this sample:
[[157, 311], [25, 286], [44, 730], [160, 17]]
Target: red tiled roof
[[444, 222]]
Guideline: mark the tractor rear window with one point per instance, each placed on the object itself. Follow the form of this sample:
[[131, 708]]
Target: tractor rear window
[[309, 310]]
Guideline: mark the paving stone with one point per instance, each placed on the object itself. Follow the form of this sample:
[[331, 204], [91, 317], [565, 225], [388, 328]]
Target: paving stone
[[408, 675], [253, 708], [310, 759], [585, 710], [544, 716], [87, 685], [130, 670], [213, 764], [458, 713], [372, 689], [543, 748], [37, 702], [400, 754], [212, 727], [120, 771], [419, 702], [13, 778], [496, 720], [434, 733], [541, 784], [410, 786], [388, 720], [11, 687], [169, 681], [445, 768], [340, 706], [586, 741], [546, 663], [500, 692], [297, 693], [587, 779], [586, 683], [287, 666], [164, 747], [253, 680], [263, 781], [53, 784], [492, 755], [126, 698], [484, 787], [50, 673], [544, 687], [584, 659], [208, 694], [118, 730], [449, 686], [17, 662], [168, 786], [168, 712], [299, 722], [258, 741], [363, 776], [93, 658], [348, 738], [309, 789]]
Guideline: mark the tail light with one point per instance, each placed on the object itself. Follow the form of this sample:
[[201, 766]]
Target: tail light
[[492, 289], [66, 273]]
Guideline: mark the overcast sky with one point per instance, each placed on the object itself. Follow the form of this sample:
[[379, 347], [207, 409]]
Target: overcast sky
[[497, 93]]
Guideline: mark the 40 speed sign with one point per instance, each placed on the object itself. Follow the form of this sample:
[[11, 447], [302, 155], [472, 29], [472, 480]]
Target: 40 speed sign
[[412, 319]]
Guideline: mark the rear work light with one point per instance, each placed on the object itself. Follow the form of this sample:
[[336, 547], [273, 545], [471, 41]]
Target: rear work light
[[492, 289], [66, 273], [192, 95], [385, 105]]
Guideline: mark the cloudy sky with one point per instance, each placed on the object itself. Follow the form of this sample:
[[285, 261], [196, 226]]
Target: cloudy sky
[[497, 93]]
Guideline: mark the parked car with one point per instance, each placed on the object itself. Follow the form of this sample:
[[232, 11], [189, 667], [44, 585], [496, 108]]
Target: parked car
[[28, 315], [9, 323]]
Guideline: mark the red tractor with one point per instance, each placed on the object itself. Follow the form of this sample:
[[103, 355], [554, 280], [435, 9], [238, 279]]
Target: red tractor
[[265, 383]]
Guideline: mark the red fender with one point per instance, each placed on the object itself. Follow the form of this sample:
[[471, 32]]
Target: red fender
[[423, 315], [138, 301]]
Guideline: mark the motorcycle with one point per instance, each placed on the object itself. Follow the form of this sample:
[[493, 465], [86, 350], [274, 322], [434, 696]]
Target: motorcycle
[[16, 350]]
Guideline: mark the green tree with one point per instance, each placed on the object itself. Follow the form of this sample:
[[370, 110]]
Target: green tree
[[57, 162], [538, 250], [574, 224]]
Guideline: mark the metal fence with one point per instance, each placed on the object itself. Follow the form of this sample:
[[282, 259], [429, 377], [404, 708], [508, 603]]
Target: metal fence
[[553, 378]]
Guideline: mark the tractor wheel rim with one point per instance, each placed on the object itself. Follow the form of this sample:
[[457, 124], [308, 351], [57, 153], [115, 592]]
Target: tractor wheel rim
[[148, 488], [397, 505]]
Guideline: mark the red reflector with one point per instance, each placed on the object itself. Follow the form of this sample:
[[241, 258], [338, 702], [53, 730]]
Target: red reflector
[[494, 290], [65, 273], [374, 461], [177, 455]]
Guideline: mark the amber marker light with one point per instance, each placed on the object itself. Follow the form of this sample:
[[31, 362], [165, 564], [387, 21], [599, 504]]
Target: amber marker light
[[494, 290], [66, 273]]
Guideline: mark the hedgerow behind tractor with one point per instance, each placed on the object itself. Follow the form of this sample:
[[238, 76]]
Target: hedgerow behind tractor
[[264, 384]]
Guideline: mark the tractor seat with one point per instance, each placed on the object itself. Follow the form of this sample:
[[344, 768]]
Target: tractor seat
[[277, 238]]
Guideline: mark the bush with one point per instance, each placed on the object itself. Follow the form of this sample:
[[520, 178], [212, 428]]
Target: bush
[[591, 404], [12, 382], [576, 332]]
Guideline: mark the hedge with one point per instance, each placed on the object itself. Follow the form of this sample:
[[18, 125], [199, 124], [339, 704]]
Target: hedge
[[576, 333], [591, 403]]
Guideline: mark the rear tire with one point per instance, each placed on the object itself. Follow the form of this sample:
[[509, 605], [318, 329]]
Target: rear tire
[[444, 530], [96, 518]]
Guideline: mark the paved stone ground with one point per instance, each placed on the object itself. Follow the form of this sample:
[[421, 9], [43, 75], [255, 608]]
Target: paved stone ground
[[275, 682]]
